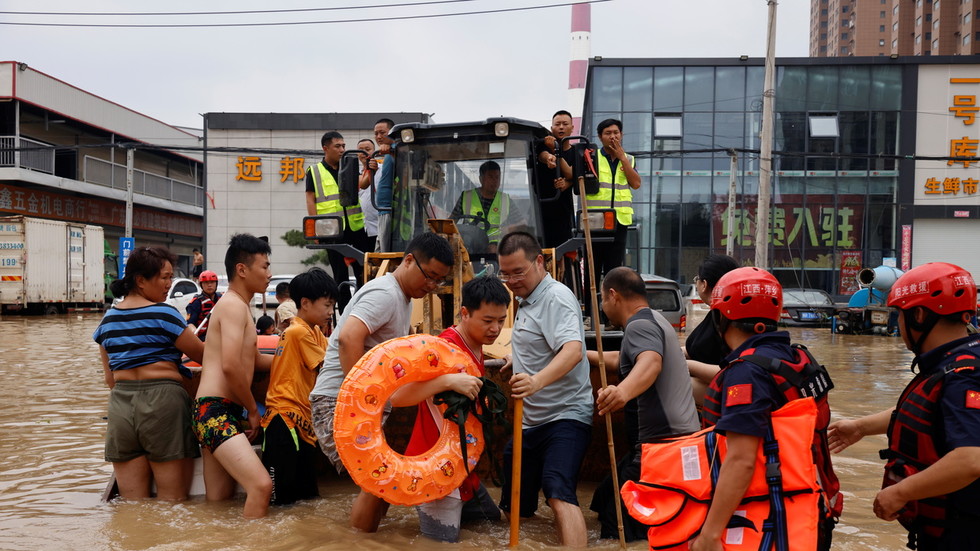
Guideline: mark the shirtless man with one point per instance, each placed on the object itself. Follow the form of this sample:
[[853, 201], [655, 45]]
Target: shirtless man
[[230, 359]]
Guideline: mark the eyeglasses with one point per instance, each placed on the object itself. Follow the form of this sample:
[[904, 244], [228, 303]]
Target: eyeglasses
[[516, 277], [697, 279], [430, 279]]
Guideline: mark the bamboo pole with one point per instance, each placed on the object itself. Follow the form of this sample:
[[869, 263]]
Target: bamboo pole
[[602, 364], [515, 473]]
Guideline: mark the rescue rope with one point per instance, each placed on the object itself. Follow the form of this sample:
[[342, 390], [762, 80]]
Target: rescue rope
[[488, 408]]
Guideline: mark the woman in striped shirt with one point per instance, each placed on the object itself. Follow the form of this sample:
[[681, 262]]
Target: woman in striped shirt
[[149, 436]]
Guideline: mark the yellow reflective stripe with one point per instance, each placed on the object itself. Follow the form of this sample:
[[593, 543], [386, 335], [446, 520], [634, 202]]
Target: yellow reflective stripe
[[317, 183]]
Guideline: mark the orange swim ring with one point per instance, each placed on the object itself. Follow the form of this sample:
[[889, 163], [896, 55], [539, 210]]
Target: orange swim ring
[[372, 464]]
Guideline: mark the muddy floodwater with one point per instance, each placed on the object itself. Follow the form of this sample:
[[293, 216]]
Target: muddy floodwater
[[52, 473]]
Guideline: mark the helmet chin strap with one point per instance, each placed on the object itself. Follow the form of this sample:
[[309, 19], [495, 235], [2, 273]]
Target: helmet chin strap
[[924, 327]]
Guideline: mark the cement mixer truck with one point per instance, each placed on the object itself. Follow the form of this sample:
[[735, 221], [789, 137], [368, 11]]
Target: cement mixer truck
[[867, 310]]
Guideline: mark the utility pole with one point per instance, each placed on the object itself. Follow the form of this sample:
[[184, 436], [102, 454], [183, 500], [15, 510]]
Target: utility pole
[[129, 191], [730, 248], [765, 153]]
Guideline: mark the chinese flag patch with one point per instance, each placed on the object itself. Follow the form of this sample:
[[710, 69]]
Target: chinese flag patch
[[973, 399], [742, 394]]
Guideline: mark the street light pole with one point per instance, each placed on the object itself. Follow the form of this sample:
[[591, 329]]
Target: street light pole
[[765, 151], [129, 192]]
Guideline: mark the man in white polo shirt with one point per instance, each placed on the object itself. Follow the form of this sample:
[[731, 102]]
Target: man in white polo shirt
[[551, 374]]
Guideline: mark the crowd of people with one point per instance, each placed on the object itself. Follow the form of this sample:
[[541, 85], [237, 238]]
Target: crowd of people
[[736, 372]]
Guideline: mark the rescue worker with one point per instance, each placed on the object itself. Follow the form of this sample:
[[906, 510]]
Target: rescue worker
[[199, 308], [323, 197], [752, 383], [617, 180], [933, 457], [654, 388], [487, 206]]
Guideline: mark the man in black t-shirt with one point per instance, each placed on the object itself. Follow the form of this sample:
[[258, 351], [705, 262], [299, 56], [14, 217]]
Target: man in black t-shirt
[[555, 193], [654, 390]]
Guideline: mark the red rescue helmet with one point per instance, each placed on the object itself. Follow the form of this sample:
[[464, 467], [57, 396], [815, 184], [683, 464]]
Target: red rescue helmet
[[208, 275], [939, 287], [748, 293]]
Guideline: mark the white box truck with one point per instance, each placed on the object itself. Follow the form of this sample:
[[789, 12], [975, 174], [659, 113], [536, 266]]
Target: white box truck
[[47, 266]]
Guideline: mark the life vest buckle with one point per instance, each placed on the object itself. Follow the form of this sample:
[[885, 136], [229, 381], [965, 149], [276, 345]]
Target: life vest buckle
[[774, 473]]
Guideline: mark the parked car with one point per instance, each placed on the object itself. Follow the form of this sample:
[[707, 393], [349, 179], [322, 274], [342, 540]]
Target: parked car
[[664, 295], [181, 292], [270, 292], [807, 307]]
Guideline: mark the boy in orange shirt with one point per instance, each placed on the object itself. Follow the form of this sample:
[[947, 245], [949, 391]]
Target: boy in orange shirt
[[289, 448], [482, 314]]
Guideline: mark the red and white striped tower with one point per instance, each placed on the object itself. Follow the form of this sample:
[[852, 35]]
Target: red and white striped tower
[[578, 63]]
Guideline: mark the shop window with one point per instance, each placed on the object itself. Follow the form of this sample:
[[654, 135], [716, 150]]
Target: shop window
[[824, 126], [667, 126]]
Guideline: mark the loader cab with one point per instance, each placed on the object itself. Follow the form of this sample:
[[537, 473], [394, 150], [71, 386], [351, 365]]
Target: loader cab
[[478, 174]]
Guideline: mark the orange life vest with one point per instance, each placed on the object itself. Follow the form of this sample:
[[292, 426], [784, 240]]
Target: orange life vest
[[678, 477], [802, 377]]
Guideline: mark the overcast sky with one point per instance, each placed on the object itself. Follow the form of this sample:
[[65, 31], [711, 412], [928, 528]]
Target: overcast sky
[[459, 68]]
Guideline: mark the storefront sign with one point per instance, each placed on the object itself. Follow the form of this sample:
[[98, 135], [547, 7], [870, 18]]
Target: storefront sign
[[958, 178], [906, 248], [290, 168], [961, 214], [818, 224], [87, 210], [850, 265]]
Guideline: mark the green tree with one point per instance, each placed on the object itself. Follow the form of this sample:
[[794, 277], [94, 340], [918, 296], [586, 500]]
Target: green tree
[[295, 238]]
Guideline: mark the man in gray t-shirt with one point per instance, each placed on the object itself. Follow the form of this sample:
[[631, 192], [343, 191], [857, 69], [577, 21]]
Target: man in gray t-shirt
[[654, 389], [378, 311], [551, 375]]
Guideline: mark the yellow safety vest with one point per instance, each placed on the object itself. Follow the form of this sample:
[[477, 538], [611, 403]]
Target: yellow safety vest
[[614, 192], [327, 196], [499, 210]]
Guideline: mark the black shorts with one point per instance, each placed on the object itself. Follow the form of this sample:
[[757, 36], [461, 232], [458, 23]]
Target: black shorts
[[289, 460], [551, 457]]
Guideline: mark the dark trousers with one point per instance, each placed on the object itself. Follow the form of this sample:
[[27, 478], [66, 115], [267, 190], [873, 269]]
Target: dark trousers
[[605, 257], [341, 272]]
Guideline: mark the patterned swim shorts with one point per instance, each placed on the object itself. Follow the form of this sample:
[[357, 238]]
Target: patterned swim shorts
[[216, 420]]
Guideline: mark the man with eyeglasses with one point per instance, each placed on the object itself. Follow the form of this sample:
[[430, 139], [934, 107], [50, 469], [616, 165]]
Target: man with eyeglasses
[[380, 310], [551, 375]]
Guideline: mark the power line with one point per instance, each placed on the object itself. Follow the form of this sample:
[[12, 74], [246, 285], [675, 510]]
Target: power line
[[293, 23], [236, 12], [637, 154]]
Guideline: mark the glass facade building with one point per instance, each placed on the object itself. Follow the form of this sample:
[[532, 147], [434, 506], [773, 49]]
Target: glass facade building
[[834, 202]]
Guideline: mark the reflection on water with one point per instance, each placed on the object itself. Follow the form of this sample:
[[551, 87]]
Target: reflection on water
[[52, 474]]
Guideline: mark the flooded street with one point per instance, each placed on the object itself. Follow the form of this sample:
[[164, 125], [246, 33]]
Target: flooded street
[[52, 473]]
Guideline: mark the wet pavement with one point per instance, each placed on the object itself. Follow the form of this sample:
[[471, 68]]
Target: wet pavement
[[52, 474]]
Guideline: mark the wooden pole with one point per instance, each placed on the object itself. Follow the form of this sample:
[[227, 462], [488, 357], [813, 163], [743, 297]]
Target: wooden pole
[[515, 473], [602, 364]]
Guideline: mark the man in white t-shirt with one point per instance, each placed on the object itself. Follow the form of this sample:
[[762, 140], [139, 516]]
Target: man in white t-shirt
[[379, 311]]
